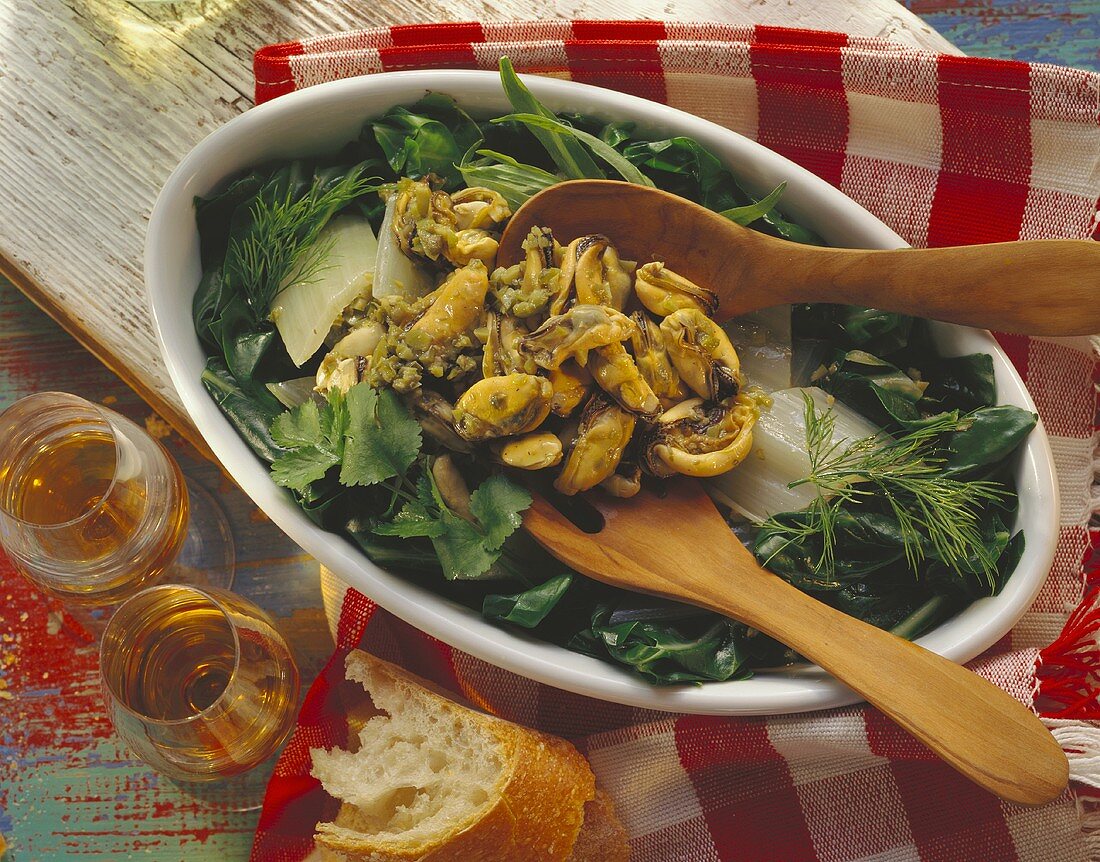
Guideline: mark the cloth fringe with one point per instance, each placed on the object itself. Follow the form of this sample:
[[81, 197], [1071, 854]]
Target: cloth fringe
[[1081, 743], [1066, 671]]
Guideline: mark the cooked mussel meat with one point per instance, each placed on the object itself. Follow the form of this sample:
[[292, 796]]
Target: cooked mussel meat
[[436, 416], [479, 207], [424, 219], [702, 354], [455, 306], [573, 334], [699, 438], [502, 353], [534, 451], [663, 291], [597, 447], [614, 371], [503, 406], [653, 363], [571, 383]]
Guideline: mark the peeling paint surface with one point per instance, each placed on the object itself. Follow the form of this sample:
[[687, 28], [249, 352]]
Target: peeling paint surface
[[68, 787]]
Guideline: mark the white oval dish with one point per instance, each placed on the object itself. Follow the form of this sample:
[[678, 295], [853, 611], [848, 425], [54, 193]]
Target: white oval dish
[[320, 119]]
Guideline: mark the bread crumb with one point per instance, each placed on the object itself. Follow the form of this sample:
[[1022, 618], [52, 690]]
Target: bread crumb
[[23, 617], [157, 427]]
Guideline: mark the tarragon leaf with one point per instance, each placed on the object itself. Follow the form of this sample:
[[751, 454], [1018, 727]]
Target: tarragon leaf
[[609, 154], [382, 439], [498, 504], [749, 213]]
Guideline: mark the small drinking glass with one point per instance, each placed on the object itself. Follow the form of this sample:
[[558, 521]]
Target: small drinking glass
[[93, 509], [201, 686]]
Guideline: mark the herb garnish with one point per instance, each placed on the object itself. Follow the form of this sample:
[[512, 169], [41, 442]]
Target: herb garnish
[[935, 514], [374, 441], [281, 248]]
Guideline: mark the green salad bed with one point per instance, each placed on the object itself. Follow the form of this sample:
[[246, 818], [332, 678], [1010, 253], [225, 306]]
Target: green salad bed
[[904, 526]]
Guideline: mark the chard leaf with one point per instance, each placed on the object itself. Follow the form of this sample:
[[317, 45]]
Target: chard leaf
[[429, 137], [383, 440], [498, 504], [988, 436], [530, 607], [609, 154], [746, 215], [567, 153], [250, 415]]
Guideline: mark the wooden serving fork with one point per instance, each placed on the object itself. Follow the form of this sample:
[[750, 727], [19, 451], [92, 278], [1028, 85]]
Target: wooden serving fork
[[1038, 287], [678, 546]]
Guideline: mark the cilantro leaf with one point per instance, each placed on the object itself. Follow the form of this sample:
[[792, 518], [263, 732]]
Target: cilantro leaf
[[314, 438], [412, 521], [301, 466], [383, 440], [298, 427], [498, 504], [462, 549]]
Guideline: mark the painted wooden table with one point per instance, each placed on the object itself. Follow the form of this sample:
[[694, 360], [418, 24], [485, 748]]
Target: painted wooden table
[[77, 182]]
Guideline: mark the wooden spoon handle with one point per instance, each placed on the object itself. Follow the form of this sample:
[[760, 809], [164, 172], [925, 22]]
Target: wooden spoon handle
[[976, 727], [1039, 287]]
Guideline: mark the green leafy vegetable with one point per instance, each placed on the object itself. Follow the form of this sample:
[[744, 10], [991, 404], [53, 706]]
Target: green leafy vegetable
[[383, 440], [935, 514], [530, 607], [506, 176], [250, 415], [606, 152], [747, 214], [466, 550], [281, 246], [566, 152], [429, 137]]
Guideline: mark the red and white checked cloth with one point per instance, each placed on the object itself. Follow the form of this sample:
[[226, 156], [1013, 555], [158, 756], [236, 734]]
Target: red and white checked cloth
[[946, 150]]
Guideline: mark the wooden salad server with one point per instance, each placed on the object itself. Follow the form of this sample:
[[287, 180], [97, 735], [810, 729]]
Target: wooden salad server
[[1038, 287], [976, 727]]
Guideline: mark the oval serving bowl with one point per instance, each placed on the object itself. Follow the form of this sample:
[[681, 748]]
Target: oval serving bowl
[[320, 119]]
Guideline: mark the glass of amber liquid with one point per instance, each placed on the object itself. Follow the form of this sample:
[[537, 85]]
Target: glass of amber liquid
[[201, 686], [92, 508]]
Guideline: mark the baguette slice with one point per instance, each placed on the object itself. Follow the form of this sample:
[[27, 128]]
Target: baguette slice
[[438, 782], [602, 837]]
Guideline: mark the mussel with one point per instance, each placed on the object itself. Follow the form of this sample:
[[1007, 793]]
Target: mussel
[[597, 447], [702, 354], [653, 363], [534, 451], [572, 334], [663, 291], [614, 371], [456, 305], [697, 438], [571, 383], [503, 406]]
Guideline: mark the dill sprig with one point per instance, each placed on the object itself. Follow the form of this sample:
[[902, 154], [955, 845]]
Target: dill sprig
[[281, 248], [906, 475]]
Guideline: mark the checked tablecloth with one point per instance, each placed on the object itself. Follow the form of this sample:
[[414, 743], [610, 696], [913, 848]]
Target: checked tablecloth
[[947, 151]]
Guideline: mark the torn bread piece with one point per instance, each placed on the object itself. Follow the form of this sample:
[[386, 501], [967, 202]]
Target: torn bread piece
[[435, 781]]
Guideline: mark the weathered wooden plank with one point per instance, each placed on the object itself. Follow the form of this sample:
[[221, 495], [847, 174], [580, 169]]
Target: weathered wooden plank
[[67, 787], [101, 98]]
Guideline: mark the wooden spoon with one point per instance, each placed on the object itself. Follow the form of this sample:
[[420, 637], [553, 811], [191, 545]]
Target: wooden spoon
[[678, 546], [1038, 287]]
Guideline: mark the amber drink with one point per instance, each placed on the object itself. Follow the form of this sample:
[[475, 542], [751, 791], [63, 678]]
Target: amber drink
[[92, 509], [199, 683]]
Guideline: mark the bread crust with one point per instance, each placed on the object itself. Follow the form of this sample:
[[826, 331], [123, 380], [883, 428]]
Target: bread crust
[[538, 805], [602, 837]]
